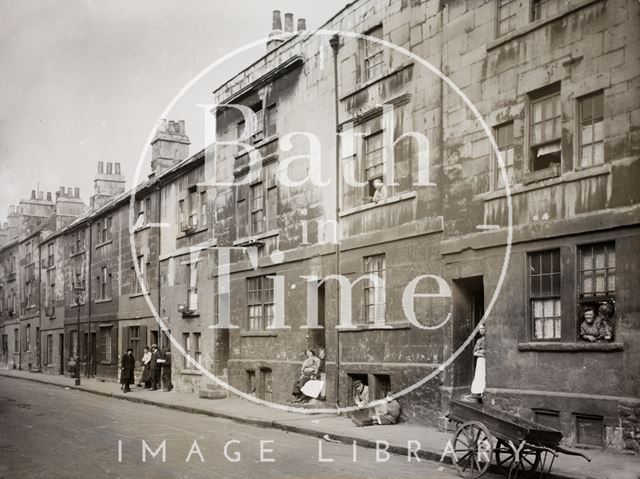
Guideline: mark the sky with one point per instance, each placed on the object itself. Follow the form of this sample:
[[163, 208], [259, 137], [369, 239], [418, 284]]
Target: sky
[[86, 80]]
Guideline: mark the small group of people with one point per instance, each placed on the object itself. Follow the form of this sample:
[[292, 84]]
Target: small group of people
[[311, 381], [311, 384], [156, 369], [597, 327]]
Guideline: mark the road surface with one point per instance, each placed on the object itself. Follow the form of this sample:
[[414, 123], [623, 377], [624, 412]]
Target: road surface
[[51, 432]]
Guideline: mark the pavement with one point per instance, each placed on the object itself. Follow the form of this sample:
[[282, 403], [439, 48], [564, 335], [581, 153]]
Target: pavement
[[400, 437]]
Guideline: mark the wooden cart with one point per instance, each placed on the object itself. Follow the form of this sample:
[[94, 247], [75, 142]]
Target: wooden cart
[[520, 448]]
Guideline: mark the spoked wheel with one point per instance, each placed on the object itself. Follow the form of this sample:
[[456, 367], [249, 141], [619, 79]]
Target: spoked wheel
[[528, 460], [473, 447]]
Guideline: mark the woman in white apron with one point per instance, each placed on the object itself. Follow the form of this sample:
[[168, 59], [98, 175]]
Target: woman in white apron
[[479, 379]]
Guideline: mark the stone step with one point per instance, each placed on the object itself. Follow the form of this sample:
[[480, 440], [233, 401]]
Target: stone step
[[214, 387], [209, 394]]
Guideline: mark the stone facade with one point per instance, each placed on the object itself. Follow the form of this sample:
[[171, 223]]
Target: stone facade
[[556, 87]]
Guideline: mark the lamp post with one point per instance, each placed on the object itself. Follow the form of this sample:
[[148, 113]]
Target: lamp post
[[79, 291]]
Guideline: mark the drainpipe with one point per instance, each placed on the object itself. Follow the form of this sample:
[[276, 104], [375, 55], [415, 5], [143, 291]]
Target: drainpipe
[[159, 229], [335, 45], [88, 302], [38, 341]]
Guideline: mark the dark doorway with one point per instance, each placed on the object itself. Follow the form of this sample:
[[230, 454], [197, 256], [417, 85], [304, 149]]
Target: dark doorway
[[468, 308], [61, 353], [93, 354]]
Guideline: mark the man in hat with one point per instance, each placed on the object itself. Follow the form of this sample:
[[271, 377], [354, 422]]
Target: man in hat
[[128, 364], [166, 371], [155, 367]]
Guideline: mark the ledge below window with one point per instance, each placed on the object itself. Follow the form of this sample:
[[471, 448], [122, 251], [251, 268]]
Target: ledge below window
[[371, 327], [190, 372], [245, 334], [570, 347], [387, 201]]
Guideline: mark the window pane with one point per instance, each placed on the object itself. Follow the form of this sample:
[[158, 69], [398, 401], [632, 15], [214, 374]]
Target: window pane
[[598, 153]]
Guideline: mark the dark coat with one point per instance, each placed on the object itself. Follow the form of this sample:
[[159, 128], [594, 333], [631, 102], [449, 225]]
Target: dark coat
[[154, 360], [128, 365]]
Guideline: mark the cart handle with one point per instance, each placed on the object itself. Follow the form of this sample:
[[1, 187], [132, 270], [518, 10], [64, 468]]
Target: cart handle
[[569, 452], [543, 448]]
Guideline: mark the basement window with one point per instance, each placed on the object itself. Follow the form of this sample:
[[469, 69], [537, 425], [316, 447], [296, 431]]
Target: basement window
[[589, 430]]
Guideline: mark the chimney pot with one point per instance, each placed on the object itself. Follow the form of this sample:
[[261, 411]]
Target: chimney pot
[[41, 195], [100, 167], [33, 194], [109, 168], [288, 22], [48, 196], [302, 24], [77, 192], [276, 23], [117, 167], [69, 191], [61, 192]]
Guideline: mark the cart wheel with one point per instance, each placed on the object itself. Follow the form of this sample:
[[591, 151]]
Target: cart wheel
[[473, 447], [529, 460]]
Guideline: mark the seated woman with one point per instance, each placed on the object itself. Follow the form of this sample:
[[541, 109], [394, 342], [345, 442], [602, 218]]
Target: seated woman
[[308, 371]]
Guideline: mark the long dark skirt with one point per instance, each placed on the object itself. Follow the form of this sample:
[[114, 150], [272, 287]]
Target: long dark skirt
[[146, 375]]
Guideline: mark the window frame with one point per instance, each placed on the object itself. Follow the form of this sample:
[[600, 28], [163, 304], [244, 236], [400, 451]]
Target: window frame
[[496, 176], [511, 18], [556, 297], [535, 97], [609, 295], [580, 123], [370, 50], [255, 211], [262, 297], [369, 288]]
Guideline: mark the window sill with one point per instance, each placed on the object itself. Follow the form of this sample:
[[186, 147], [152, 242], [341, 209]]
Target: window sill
[[103, 363], [374, 327], [77, 253], [184, 234], [104, 300], [371, 81], [570, 347], [540, 175], [567, 177], [256, 145], [136, 295], [518, 32], [49, 268], [142, 228], [255, 238], [75, 305], [387, 201], [190, 372], [247, 334], [105, 243]]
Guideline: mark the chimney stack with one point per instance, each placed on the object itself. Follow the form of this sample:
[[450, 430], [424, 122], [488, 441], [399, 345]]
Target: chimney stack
[[288, 22], [169, 146], [302, 24], [276, 23]]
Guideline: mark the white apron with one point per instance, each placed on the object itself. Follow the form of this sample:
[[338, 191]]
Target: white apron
[[479, 380]]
